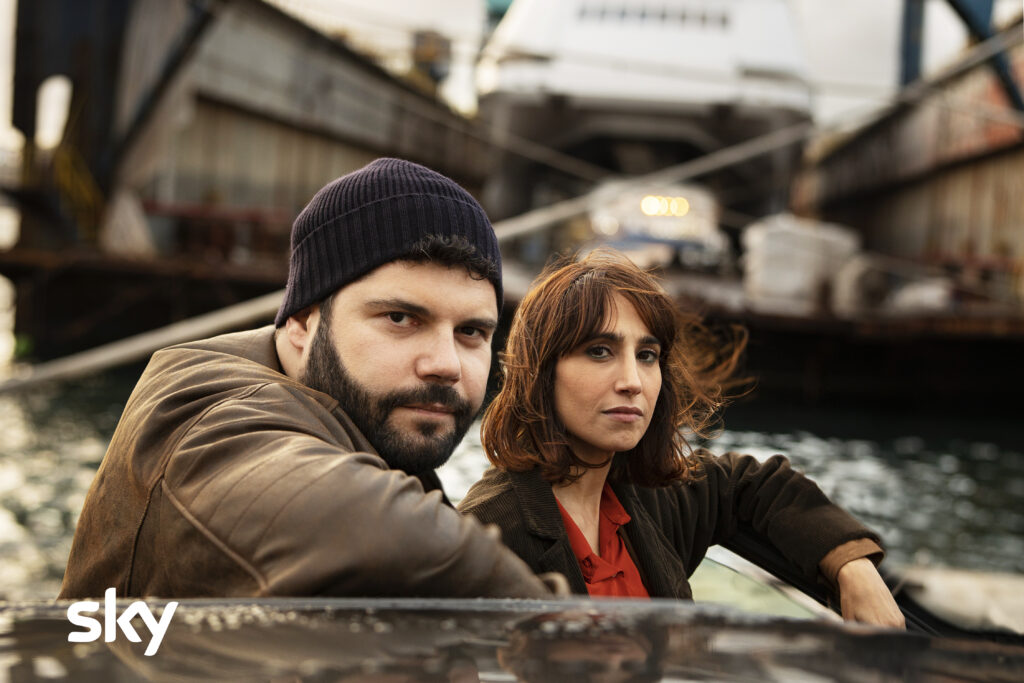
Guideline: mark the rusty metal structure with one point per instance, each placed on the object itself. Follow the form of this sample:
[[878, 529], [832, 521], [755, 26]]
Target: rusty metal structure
[[937, 182], [196, 130], [933, 186]]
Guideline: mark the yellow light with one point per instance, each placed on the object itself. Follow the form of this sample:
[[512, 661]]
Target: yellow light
[[649, 205], [656, 205]]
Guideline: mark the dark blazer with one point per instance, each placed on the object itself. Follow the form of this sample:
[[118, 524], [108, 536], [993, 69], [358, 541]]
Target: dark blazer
[[672, 527]]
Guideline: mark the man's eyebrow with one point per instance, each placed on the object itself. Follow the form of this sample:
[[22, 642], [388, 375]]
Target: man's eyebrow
[[489, 324], [396, 304]]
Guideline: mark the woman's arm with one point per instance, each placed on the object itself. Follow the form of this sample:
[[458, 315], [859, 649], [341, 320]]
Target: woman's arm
[[779, 504], [787, 512], [781, 507], [864, 597]]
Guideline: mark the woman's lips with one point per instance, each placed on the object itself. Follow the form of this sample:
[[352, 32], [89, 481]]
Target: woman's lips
[[624, 413]]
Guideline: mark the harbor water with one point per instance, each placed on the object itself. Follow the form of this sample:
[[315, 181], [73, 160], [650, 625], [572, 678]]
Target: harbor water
[[942, 491]]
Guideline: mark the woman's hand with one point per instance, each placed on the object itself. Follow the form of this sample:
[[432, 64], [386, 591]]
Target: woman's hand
[[864, 596]]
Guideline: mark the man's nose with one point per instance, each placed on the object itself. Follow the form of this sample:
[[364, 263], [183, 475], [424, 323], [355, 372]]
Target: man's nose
[[439, 360]]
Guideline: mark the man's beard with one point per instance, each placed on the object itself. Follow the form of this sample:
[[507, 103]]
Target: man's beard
[[370, 412]]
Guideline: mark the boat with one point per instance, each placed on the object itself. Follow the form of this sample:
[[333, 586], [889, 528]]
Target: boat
[[752, 627], [394, 639]]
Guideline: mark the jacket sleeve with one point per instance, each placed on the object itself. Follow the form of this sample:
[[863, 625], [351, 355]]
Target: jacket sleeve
[[306, 516], [781, 505]]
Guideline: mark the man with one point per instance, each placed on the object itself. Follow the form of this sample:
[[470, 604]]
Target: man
[[300, 460]]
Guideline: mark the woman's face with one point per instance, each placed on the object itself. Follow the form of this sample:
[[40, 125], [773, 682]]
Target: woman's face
[[607, 387]]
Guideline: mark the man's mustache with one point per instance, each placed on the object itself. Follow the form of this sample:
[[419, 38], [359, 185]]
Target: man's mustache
[[429, 393]]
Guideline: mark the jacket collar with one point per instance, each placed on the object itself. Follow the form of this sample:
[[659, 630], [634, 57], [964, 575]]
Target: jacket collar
[[662, 576], [538, 504], [540, 514]]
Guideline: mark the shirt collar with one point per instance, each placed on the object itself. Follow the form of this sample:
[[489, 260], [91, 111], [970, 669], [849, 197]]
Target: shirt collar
[[611, 508]]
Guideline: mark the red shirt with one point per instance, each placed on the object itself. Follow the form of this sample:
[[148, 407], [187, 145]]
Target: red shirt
[[611, 573]]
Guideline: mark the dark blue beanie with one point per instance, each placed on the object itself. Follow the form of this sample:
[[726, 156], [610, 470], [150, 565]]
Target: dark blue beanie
[[374, 216]]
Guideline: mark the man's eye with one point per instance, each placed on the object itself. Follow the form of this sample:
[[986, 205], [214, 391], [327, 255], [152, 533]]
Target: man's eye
[[599, 352], [399, 318], [474, 332]]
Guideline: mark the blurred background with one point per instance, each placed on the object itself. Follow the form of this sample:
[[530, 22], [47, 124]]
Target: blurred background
[[845, 180]]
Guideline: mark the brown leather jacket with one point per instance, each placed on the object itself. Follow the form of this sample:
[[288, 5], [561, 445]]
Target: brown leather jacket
[[226, 478]]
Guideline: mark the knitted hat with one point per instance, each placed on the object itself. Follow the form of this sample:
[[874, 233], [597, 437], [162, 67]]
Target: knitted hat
[[374, 216]]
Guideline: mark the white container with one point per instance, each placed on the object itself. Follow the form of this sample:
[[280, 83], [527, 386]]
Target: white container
[[790, 263]]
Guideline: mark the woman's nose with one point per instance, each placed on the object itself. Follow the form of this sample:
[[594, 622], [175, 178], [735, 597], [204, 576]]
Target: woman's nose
[[628, 381]]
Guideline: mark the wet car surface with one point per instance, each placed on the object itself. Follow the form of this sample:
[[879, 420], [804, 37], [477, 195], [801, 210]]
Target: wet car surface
[[485, 640]]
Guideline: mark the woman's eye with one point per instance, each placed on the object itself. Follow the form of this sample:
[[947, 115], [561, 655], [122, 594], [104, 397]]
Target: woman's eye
[[647, 356], [599, 352]]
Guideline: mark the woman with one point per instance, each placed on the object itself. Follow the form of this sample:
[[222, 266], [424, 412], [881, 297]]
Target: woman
[[592, 475]]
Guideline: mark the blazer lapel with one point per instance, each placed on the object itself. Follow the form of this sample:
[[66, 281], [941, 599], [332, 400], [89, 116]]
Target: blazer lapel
[[544, 522], [661, 570]]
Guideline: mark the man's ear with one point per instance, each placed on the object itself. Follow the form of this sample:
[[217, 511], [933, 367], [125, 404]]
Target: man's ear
[[300, 328]]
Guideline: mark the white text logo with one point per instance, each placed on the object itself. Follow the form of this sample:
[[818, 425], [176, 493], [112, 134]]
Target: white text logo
[[111, 622]]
